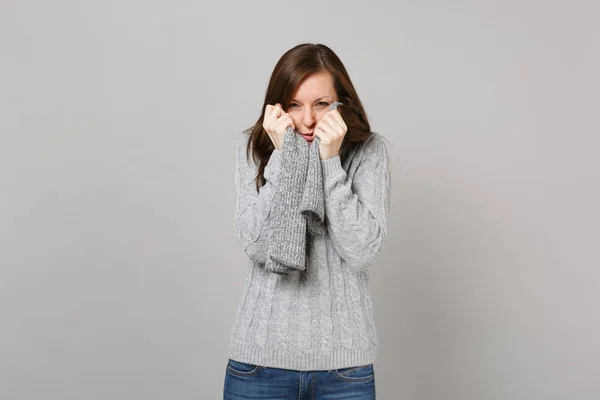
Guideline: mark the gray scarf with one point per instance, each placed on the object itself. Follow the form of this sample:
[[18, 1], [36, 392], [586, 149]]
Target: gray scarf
[[297, 207]]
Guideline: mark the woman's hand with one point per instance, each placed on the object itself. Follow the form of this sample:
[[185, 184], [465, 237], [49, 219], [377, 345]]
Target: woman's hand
[[276, 122], [331, 129]]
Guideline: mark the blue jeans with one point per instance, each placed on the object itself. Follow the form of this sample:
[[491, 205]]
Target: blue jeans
[[249, 381]]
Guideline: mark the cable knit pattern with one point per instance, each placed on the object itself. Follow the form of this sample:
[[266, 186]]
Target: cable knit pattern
[[319, 318]]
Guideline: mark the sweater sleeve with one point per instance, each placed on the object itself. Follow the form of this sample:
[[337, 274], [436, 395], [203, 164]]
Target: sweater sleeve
[[356, 209], [252, 207]]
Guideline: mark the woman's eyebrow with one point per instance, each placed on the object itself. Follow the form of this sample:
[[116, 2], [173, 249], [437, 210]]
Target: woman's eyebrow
[[320, 98]]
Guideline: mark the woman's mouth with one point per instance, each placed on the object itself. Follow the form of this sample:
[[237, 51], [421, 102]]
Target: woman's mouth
[[307, 136]]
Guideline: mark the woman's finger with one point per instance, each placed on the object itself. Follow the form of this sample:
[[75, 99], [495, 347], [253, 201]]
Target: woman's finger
[[278, 110], [333, 123], [283, 123], [268, 110], [322, 131], [335, 114]]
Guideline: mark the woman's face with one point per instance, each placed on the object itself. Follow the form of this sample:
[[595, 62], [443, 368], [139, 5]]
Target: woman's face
[[310, 102]]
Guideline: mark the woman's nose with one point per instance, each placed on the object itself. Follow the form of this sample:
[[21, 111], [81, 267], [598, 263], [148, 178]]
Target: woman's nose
[[308, 118]]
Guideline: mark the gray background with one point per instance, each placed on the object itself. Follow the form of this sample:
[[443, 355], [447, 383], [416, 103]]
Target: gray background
[[119, 269]]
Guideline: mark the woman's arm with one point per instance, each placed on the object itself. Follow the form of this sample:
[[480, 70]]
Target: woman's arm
[[356, 209], [252, 207]]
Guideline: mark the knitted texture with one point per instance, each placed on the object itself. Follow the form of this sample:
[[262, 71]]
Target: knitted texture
[[298, 211], [319, 318]]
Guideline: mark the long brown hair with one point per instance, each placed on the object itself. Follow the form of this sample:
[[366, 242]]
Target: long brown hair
[[291, 70]]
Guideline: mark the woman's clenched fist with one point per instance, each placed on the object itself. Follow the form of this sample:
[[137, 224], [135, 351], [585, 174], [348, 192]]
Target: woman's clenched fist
[[276, 122]]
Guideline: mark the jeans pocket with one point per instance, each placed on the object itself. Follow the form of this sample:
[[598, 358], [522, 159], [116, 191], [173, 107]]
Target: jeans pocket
[[239, 368], [363, 373]]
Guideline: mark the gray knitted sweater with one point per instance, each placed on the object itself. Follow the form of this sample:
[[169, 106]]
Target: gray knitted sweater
[[321, 317]]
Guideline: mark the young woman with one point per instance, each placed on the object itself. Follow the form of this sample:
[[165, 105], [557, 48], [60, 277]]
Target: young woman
[[309, 333]]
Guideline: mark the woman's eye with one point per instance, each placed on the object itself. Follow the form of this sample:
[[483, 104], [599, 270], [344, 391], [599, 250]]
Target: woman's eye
[[322, 104], [293, 105]]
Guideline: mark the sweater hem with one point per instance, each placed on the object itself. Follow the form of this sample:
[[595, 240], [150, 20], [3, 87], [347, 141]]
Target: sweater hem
[[301, 361]]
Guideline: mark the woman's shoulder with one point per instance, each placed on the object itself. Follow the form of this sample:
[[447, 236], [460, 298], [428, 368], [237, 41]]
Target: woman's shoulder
[[375, 139], [374, 146], [370, 157], [241, 140], [243, 136]]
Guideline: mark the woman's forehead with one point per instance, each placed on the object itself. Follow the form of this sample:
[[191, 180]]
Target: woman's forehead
[[314, 87]]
